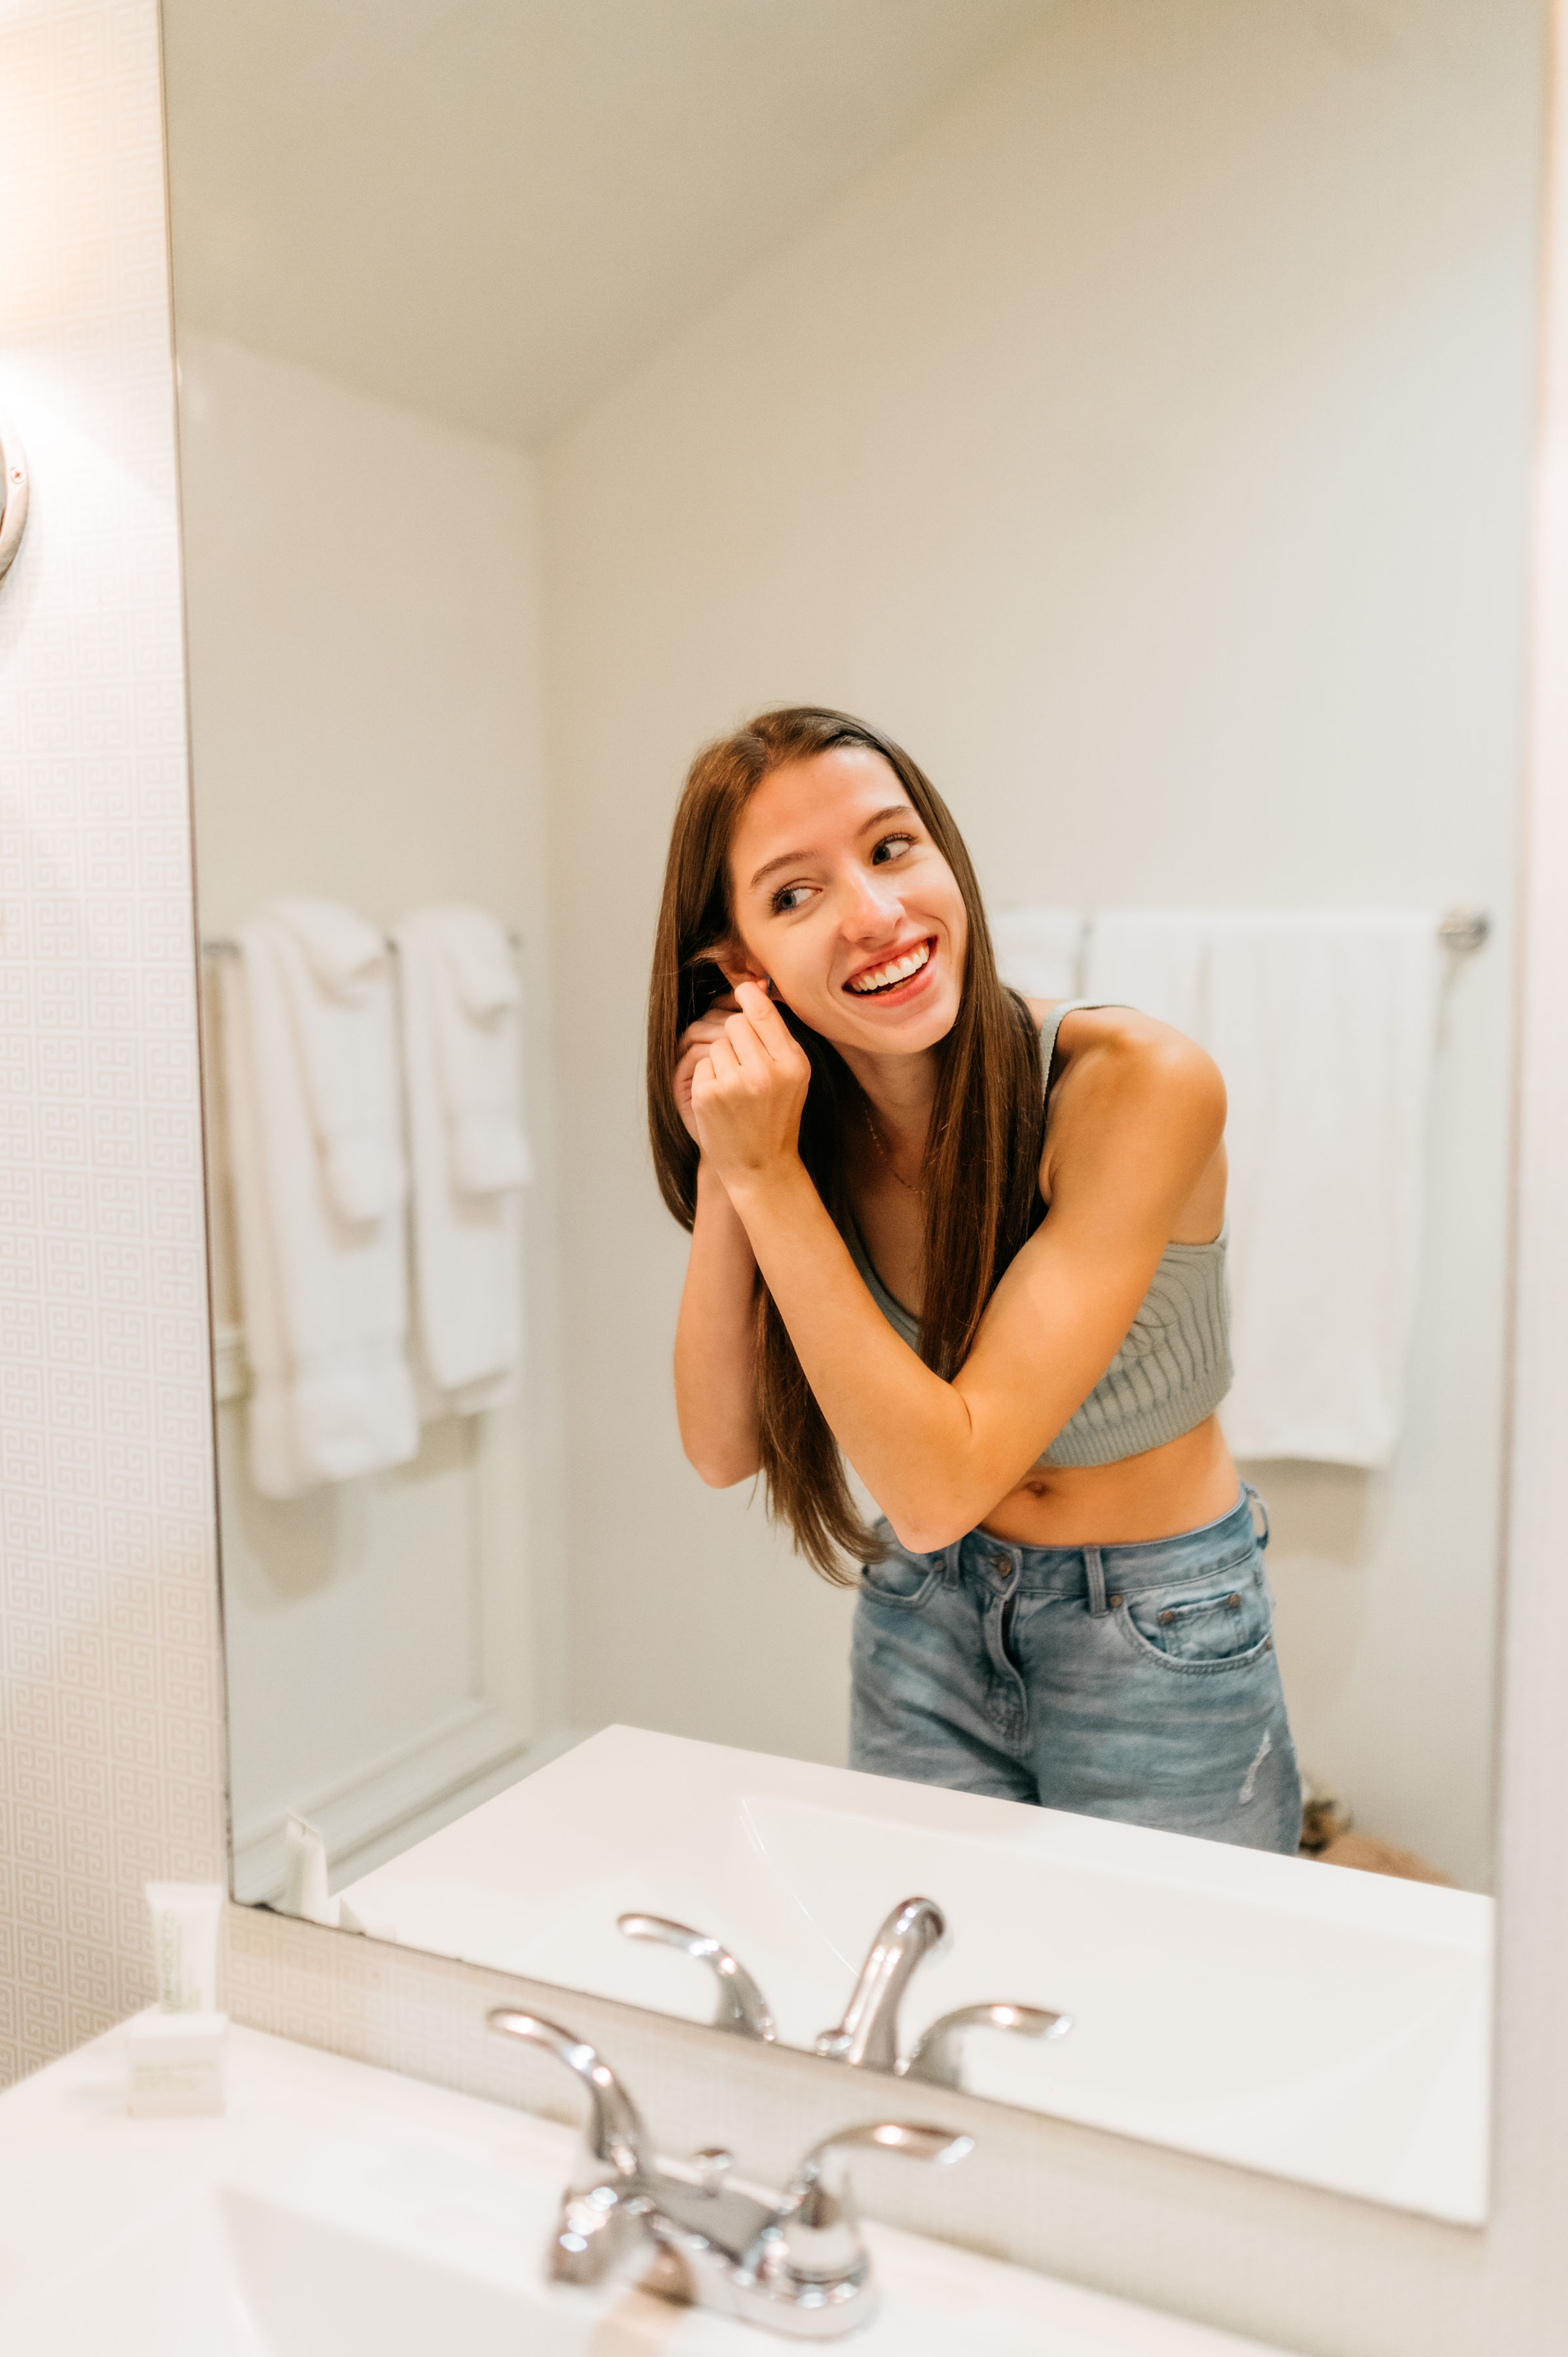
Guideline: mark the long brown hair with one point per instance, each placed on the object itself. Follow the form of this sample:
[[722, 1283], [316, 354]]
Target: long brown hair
[[982, 1154]]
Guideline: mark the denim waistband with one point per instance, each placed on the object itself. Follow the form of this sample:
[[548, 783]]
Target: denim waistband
[[1094, 1572]]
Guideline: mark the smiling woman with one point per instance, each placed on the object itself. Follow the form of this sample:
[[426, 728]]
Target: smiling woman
[[936, 1228]]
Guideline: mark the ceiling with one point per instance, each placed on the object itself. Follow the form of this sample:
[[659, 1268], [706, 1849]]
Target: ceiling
[[487, 209]]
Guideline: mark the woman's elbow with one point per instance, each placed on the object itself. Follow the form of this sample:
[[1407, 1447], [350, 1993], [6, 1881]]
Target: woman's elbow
[[928, 1529], [720, 1471]]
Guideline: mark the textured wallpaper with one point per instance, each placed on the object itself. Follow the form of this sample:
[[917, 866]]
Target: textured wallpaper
[[110, 1761]]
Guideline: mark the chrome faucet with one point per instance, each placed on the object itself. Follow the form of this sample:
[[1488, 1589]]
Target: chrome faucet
[[795, 2264], [869, 2031], [868, 2034]]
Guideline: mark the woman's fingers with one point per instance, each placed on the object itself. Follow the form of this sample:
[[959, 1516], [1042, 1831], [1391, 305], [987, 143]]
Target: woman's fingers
[[763, 1042], [707, 1026], [746, 1093], [697, 1054], [768, 1026], [751, 1056], [748, 1004], [722, 1062]]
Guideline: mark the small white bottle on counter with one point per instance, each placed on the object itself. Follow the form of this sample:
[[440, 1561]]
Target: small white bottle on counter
[[176, 2053]]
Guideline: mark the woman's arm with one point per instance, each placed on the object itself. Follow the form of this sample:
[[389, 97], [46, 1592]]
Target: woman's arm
[[1145, 1117], [714, 1378], [715, 1384]]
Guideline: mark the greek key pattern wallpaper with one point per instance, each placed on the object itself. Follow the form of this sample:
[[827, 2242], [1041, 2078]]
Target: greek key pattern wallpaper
[[110, 1751]]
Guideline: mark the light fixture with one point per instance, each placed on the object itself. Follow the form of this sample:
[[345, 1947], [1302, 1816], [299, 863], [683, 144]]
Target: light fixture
[[13, 493]]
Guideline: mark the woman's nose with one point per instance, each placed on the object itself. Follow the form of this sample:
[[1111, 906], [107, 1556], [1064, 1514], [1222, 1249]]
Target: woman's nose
[[873, 909]]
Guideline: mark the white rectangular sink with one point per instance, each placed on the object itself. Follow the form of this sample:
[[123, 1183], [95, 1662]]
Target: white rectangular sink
[[225, 2271], [1319, 2024], [336, 2210]]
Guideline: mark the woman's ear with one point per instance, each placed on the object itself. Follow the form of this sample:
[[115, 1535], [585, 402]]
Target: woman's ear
[[735, 966]]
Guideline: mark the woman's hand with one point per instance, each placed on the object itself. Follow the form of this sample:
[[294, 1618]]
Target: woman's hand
[[747, 1091], [696, 1045]]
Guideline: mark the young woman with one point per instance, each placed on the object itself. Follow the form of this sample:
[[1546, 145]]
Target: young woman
[[975, 1245]]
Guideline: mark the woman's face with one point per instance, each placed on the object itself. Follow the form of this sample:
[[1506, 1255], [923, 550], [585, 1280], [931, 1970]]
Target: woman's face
[[842, 900]]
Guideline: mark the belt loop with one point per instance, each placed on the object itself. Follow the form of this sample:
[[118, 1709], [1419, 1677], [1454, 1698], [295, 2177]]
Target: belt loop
[[1257, 1508], [953, 1563], [1095, 1571]]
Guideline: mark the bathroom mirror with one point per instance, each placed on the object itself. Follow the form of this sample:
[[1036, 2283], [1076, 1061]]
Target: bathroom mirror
[[1125, 405]]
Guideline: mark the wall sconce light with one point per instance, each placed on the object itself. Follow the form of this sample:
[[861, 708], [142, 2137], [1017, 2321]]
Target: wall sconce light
[[13, 493]]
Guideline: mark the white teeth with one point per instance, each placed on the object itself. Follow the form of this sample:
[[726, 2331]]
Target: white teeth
[[896, 970]]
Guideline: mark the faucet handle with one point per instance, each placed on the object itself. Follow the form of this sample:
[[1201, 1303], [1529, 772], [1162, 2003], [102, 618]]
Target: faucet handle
[[741, 2004], [817, 2229], [935, 2055], [615, 2137], [594, 2222]]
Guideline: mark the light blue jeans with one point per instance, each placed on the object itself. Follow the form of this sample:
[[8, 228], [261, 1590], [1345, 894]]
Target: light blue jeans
[[1138, 1682]]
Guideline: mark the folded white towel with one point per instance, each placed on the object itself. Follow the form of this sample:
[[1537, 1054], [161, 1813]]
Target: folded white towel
[[1038, 949], [462, 1070], [315, 1158], [1324, 1026], [337, 976]]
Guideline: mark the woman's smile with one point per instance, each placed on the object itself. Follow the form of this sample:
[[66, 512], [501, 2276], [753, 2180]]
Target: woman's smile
[[898, 977]]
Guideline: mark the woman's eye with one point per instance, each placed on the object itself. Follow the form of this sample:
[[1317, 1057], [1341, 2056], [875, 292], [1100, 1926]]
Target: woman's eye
[[890, 846], [792, 896]]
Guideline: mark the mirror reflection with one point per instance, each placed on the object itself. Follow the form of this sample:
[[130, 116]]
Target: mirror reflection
[[889, 635], [974, 1244]]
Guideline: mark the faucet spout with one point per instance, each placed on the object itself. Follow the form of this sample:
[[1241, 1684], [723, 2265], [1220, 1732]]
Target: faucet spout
[[868, 2033]]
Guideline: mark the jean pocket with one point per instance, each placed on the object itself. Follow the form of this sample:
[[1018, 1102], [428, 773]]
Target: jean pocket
[[898, 1579], [1220, 1621]]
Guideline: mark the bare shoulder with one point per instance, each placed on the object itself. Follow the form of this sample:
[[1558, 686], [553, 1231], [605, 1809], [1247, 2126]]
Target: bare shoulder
[[1139, 1042], [1121, 1047], [1115, 1065]]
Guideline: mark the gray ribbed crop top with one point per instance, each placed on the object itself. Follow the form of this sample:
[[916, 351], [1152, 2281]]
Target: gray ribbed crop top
[[1174, 1368]]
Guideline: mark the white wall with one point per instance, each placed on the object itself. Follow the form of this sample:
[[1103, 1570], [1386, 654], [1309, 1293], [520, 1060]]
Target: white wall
[[1146, 447], [110, 1712], [362, 589]]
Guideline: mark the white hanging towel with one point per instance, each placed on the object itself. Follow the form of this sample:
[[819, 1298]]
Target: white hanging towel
[[1156, 959], [1324, 1026], [462, 1070], [1038, 949], [319, 1181]]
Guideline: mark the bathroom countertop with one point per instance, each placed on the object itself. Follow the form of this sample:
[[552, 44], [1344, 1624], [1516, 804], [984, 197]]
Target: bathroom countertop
[[460, 2183]]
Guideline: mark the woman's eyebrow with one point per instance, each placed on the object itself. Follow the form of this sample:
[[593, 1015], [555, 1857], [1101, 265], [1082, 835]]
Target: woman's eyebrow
[[785, 859], [798, 859]]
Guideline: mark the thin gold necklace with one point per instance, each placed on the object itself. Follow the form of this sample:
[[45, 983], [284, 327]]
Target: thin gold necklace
[[881, 1150]]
